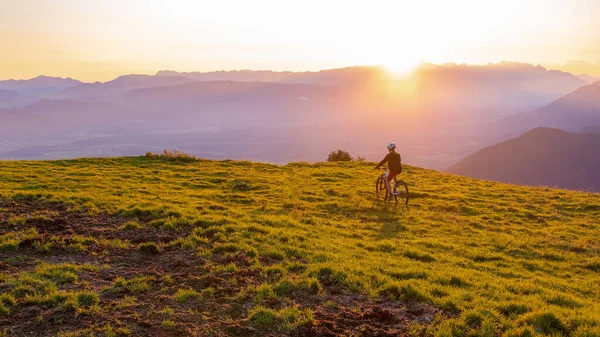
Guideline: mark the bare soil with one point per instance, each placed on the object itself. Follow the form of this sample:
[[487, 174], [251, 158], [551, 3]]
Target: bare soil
[[222, 314]]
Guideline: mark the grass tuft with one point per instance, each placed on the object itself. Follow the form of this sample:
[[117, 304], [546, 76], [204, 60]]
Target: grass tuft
[[149, 248]]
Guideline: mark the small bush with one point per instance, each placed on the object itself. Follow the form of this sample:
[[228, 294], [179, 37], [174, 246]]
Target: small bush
[[149, 248], [340, 155], [175, 156]]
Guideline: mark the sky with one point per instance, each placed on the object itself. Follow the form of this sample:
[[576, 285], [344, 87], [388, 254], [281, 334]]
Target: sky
[[99, 40]]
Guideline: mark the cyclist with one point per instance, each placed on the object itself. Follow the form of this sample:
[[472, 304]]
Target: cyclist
[[394, 163]]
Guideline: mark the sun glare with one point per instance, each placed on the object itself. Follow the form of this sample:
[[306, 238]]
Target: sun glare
[[402, 67]]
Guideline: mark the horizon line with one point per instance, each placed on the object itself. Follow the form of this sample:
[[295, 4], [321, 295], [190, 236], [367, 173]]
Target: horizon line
[[381, 66]]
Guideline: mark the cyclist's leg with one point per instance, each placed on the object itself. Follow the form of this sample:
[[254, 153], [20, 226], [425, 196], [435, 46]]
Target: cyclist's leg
[[388, 182]]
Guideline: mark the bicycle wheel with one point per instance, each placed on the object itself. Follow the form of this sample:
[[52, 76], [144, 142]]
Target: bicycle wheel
[[380, 186], [401, 191]]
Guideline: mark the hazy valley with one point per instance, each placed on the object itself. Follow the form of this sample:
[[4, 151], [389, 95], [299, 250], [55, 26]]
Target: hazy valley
[[438, 115]]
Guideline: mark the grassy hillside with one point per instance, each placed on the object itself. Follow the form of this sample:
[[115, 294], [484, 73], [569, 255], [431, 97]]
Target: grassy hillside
[[152, 247]]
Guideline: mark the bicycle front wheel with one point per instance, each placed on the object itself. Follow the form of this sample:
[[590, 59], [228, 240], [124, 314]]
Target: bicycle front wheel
[[380, 186]]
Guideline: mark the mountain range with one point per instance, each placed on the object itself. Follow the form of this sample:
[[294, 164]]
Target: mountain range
[[440, 114], [38, 86], [571, 112], [591, 129], [542, 156], [589, 79]]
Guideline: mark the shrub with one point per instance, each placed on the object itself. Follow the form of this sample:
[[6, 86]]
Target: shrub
[[340, 155], [175, 155]]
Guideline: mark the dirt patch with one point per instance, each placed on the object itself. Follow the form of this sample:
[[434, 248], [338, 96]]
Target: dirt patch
[[217, 305]]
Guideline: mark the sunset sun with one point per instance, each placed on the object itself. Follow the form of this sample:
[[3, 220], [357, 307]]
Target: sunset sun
[[402, 65]]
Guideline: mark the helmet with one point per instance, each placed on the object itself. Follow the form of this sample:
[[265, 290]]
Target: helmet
[[391, 146]]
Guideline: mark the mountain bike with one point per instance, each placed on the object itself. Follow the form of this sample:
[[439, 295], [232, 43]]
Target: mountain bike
[[399, 187]]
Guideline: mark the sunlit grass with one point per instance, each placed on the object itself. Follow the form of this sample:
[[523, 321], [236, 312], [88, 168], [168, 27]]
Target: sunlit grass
[[497, 258]]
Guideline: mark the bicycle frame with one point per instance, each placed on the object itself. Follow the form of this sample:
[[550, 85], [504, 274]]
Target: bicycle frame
[[385, 175], [393, 188]]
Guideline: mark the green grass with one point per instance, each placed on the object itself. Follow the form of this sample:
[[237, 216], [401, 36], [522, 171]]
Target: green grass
[[500, 259], [186, 295]]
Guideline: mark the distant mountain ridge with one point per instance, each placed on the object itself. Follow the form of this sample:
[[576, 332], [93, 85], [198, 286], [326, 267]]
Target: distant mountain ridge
[[589, 79], [542, 156], [591, 129], [40, 85], [495, 89], [443, 111], [340, 76], [571, 112], [118, 86]]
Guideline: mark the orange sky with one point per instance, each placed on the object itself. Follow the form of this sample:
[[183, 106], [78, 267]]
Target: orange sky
[[99, 40]]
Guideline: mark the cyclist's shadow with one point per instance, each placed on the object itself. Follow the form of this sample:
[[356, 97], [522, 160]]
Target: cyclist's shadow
[[392, 225], [388, 206], [391, 229]]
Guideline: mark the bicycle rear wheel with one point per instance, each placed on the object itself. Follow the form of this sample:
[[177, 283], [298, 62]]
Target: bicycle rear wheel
[[401, 191]]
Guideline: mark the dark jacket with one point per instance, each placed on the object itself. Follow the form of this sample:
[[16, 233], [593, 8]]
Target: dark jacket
[[394, 162]]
